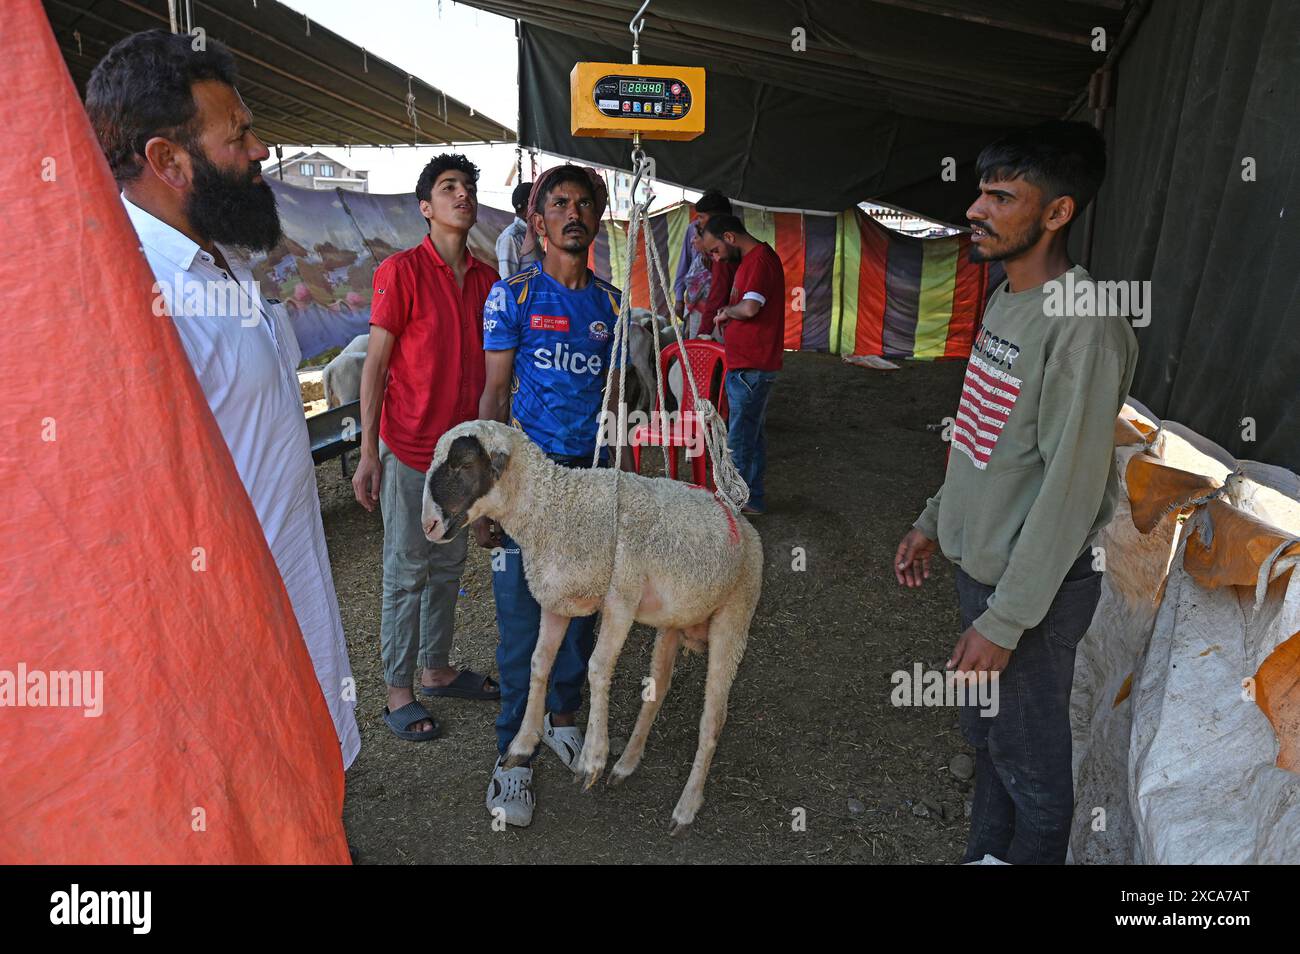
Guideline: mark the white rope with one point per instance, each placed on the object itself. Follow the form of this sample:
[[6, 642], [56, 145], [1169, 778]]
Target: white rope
[[618, 356], [618, 352], [731, 488]]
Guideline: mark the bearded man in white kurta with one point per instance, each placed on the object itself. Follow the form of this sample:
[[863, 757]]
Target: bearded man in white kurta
[[180, 142]]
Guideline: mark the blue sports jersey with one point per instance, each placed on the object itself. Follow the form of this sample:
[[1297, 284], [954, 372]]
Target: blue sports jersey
[[562, 341]]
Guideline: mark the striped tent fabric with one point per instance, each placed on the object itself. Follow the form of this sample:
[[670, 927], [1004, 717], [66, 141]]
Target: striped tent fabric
[[852, 285]]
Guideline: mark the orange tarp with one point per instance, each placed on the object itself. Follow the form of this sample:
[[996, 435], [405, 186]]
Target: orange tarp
[[129, 548], [1156, 490], [1239, 545]]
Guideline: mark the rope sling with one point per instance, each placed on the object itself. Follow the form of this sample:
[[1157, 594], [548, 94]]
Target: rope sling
[[731, 488]]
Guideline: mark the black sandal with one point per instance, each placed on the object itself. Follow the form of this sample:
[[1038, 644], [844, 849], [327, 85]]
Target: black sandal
[[400, 722], [467, 685]]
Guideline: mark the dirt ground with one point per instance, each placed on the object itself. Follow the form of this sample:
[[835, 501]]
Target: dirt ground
[[811, 725]]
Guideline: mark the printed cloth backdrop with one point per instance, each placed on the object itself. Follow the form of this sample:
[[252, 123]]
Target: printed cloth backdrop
[[852, 285]]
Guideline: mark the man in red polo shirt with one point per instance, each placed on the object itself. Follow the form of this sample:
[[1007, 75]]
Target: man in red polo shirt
[[753, 332], [423, 374]]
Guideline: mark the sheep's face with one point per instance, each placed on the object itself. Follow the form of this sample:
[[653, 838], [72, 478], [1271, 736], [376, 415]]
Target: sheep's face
[[455, 484]]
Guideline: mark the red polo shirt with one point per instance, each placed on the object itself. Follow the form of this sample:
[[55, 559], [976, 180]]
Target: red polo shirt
[[436, 373], [757, 342]]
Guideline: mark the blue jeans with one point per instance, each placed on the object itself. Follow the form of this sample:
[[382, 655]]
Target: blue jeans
[[748, 392], [518, 618], [1024, 781]]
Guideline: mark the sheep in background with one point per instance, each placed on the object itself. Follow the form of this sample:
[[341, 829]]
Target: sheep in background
[[342, 376], [641, 359], [678, 560]]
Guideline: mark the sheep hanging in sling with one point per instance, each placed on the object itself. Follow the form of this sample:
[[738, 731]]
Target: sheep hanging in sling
[[679, 561]]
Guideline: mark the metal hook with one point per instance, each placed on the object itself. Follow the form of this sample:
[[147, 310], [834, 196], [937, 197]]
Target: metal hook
[[639, 168], [635, 28]]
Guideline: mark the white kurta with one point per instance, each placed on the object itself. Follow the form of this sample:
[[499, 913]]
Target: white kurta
[[245, 355]]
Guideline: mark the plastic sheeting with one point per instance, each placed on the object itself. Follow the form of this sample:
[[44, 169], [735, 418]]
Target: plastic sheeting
[[853, 286], [865, 288], [129, 549], [1186, 706], [1201, 199], [333, 242]]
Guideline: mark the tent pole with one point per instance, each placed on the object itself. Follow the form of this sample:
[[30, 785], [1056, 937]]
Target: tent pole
[[519, 105], [1099, 95]]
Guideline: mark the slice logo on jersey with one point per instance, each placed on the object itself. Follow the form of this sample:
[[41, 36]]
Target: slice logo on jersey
[[564, 358], [988, 396], [549, 323], [598, 331]]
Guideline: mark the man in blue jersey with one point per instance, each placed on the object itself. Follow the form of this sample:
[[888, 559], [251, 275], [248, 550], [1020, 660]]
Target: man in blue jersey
[[547, 334]]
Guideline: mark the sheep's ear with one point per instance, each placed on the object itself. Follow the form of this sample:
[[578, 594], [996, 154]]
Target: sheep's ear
[[499, 462]]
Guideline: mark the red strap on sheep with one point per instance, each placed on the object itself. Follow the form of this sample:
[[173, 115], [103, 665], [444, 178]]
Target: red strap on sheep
[[731, 521]]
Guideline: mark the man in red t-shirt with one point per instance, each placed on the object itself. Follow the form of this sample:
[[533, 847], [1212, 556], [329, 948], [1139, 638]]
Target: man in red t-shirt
[[721, 276], [721, 272], [423, 374], [753, 330]]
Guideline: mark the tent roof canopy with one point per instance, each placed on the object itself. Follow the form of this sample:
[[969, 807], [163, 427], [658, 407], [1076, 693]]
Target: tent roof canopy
[[305, 84], [867, 103], [937, 59]]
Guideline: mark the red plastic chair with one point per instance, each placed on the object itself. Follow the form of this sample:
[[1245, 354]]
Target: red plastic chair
[[705, 357]]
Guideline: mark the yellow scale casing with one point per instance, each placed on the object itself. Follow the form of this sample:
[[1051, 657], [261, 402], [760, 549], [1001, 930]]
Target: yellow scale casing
[[615, 100]]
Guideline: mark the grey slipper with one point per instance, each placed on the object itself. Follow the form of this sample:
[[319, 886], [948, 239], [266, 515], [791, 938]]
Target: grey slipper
[[400, 722]]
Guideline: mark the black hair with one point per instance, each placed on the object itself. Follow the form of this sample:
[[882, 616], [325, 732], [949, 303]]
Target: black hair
[[562, 174], [519, 197], [714, 203], [439, 164], [1060, 157], [718, 224], [142, 88]]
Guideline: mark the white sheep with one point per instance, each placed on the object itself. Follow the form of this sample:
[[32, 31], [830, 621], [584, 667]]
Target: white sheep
[[342, 376], [678, 560]]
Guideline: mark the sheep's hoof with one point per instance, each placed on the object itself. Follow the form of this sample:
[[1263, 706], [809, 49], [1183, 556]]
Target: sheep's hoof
[[616, 779], [679, 829], [592, 779], [514, 761]]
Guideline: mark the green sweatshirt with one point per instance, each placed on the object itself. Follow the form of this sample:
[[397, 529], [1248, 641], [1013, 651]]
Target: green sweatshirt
[[1031, 477]]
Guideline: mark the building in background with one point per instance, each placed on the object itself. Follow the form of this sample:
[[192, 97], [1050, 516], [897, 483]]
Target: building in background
[[315, 170]]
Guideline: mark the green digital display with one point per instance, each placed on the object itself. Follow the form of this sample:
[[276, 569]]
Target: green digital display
[[640, 87]]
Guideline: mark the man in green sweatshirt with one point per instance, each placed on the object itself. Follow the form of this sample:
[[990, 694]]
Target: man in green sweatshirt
[[1030, 483]]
